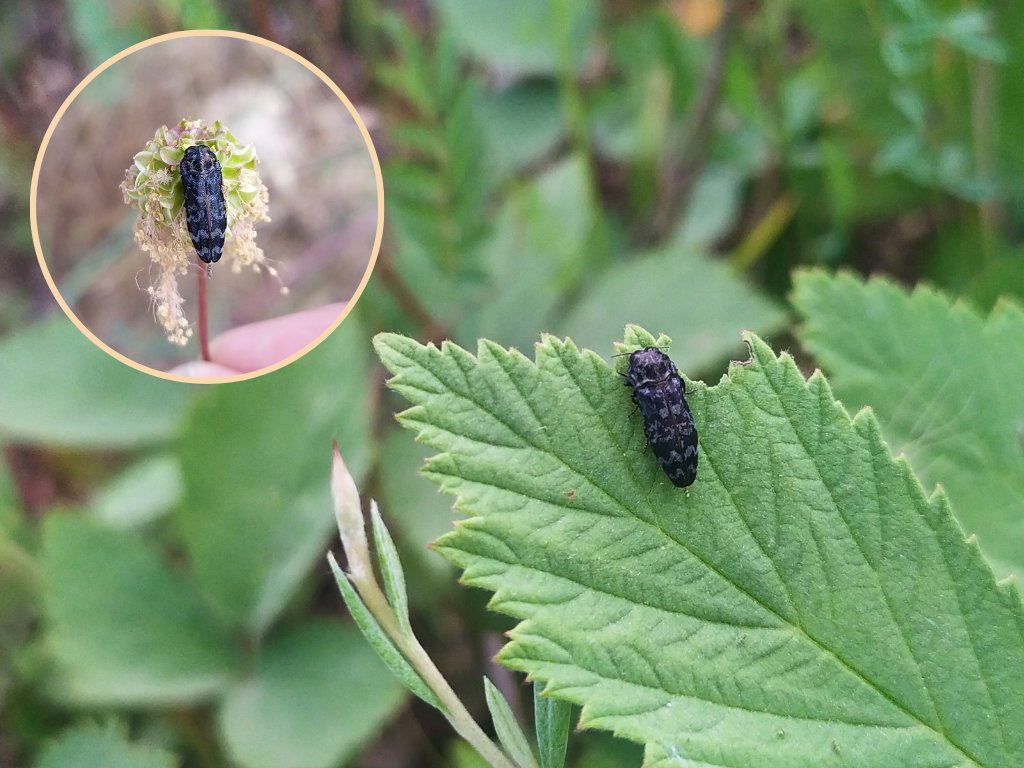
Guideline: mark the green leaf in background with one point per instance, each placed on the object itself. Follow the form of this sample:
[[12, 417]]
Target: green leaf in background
[[145, 491], [540, 38], [109, 405], [19, 609], [95, 746], [462, 755], [103, 28], [714, 205], [317, 695], [255, 456], [802, 603], [439, 175], [522, 123], [700, 302], [1008, 155], [864, 90], [946, 385], [546, 233], [11, 520], [601, 750], [418, 514], [19, 578], [102, 33], [19, 583], [123, 626]]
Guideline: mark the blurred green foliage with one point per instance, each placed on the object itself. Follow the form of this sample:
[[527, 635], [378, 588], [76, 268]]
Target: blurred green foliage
[[566, 168]]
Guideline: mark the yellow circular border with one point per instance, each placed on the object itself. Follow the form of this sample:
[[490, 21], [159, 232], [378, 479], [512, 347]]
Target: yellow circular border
[[376, 172]]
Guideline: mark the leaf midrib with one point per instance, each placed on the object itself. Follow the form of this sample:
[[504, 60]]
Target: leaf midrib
[[814, 642], [885, 596]]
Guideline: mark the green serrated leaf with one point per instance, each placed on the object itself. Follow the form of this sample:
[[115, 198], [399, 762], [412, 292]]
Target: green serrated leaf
[[107, 746], [945, 383], [552, 720], [511, 736], [802, 604], [391, 569], [380, 642]]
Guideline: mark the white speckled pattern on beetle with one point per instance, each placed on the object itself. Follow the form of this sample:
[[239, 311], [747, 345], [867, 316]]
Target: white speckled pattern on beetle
[[205, 209], [660, 394]]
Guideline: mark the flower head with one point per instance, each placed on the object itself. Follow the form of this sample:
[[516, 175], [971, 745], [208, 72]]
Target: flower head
[[153, 186]]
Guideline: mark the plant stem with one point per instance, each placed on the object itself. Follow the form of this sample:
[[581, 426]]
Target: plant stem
[[204, 342], [189, 724], [983, 122], [574, 106], [457, 715], [683, 166], [433, 330]]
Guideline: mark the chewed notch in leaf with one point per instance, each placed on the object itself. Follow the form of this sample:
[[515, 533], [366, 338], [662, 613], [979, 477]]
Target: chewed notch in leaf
[[803, 603]]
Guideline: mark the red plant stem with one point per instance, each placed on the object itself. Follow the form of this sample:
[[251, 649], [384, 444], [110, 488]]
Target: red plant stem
[[204, 343]]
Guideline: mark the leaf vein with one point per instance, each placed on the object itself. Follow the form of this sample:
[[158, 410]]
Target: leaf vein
[[899, 628]]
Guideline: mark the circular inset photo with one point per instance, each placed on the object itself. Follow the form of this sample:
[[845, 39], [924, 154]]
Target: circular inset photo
[[207, 206]]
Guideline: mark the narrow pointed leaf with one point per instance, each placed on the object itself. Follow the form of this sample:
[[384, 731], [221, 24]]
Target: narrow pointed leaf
[[803, 603], [377, 638], [391, 569], [552, 719], [507, 727]]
